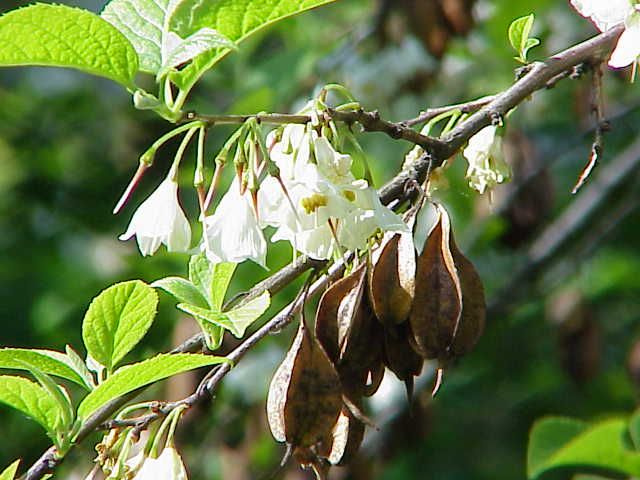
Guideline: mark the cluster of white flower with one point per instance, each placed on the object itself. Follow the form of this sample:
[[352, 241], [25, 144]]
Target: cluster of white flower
[[606, 14], [315, 203]]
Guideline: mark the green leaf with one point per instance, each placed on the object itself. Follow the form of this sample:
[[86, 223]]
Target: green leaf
[[243, 316], [222, 273], [146, 24], [518, 33], [634, 429], [48, 361], [201, 273], [211, 279], [32, 400], [58, 394], [531, 42], [117, 319], [131, 377], [235, 19], [557, 442], [61, 36], [185, 50], [9, 473], [236, 320], [143, 23], [80, 367], [182, 290], [213, 334]]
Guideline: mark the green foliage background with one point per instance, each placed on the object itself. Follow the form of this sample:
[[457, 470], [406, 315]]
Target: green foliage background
[[69, 143]]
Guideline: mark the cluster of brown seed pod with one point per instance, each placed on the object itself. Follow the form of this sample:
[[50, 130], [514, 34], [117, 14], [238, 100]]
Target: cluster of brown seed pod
[[394, 310]]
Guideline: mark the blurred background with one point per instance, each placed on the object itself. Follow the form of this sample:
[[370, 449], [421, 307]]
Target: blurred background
[[560, 271]]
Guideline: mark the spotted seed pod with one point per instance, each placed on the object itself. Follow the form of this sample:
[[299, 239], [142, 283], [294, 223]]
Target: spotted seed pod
[[305, 397], [350, 335], [392, 278]]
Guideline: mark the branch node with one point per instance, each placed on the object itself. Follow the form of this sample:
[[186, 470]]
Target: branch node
[[496, 119]]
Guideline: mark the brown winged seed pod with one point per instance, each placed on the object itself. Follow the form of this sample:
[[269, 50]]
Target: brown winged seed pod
[[448, 312], [392, 278], [305, 398], [352, 338], [345, 439]]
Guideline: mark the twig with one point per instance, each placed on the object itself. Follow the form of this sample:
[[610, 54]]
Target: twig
[[597, 109], [370, 121], [438, 150], [593, 50], [466, 107]]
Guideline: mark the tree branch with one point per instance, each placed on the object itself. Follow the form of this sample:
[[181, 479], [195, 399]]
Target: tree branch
[[370, 121], [436, 152]]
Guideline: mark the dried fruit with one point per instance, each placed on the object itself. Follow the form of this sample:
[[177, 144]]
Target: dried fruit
[[392, 278], [474, 307], [448, 313], [400, 357], [305, 398], [437, 306], [352, 338], [346, 438]]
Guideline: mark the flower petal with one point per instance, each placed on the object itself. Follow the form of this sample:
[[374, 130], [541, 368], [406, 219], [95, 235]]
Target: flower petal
[[628, 47], [160, 219], [232, 232]]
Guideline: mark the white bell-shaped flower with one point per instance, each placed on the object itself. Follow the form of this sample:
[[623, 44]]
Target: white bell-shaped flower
[[367, 218], [606, 15], [160, 219], [487, 166], [232, 233], [168, 466], [627, 50]]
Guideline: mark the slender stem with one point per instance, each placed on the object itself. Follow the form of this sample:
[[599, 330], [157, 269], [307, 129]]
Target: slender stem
[[466, 107], [151, 151], [173, 173]]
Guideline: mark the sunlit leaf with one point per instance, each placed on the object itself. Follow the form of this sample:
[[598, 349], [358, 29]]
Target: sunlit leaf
[[236, 320], [117, 319], [49, 361], [61, 36], [9, 473], [182, 290], [131, 377], [235, 19], [558, 442], [222, 273], [32, 400], [518, 33]]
